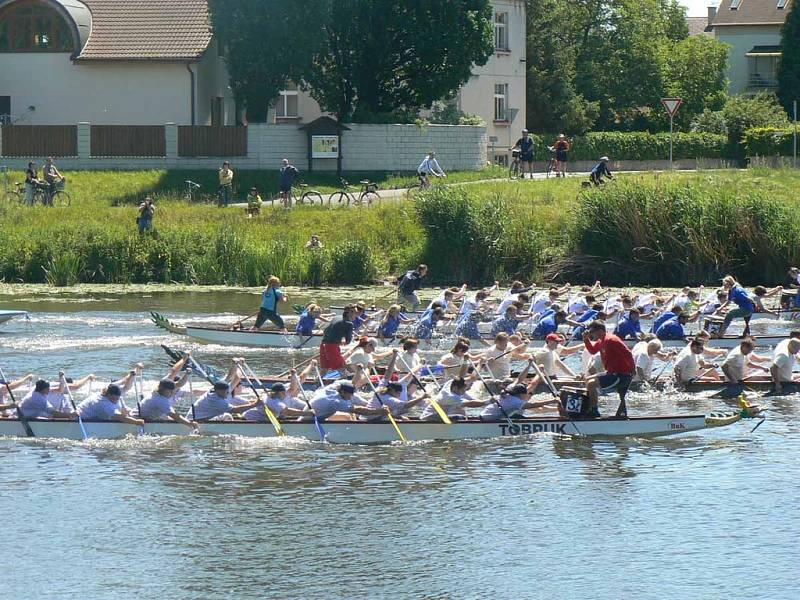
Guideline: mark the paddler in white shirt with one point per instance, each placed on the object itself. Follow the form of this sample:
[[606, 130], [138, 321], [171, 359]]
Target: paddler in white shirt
[[689, 363], [739, 360], [499, 356], [59, 398], [36, 406], [280, 404], [549, 359], [644, 353], [783, 360], [159, 406]]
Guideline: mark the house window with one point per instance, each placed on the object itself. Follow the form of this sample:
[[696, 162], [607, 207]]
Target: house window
[[762, 73], [735, 4], [33, 27], [286, 107], [501, 159], [501, 102], [781, 4], [501, 31]]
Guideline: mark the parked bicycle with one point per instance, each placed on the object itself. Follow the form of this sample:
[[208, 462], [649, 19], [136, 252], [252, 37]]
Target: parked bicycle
[[308, 196], [345, 194], [41, 195], [192, 194], [516, 163], [552, 163]]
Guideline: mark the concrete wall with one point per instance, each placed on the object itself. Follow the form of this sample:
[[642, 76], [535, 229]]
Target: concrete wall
[[741, 39], [365, 147], [110, 93]]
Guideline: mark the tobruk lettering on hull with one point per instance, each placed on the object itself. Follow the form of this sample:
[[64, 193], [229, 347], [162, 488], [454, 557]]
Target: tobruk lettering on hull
[[530, 428]]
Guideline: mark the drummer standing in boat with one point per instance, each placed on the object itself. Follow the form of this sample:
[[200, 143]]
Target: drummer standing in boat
[[270, 298], [408, 285], [340, 331]]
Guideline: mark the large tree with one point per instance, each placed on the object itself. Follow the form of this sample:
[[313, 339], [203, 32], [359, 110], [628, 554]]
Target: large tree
[[789, 67], [371, 55], [379, 57]]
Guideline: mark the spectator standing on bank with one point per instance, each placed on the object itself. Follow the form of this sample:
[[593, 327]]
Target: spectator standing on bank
[[31, 183], [286, 179], [52, 177], [225, 183], [145, 219]]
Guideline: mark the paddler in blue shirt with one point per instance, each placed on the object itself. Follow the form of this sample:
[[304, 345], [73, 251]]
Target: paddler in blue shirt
[[549, 324], [673, 328], [629, 327], [744, 306]]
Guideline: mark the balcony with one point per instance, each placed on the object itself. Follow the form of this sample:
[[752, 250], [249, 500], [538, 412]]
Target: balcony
[[762, 83]]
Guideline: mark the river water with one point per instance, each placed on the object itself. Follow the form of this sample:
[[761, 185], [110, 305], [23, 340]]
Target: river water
[[707, 515]]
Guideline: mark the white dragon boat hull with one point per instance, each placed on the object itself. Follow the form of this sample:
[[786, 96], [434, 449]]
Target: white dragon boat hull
[[7, 315], [362, 432]]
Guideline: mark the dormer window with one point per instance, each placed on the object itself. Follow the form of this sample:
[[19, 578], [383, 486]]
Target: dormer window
[[30, 26], [735, 4], [781, 4]]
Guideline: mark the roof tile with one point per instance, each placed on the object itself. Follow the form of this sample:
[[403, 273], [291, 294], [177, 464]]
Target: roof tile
[[147, 30], [751, 12]]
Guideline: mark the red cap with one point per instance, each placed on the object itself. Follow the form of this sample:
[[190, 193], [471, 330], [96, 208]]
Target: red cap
[[554, 337]]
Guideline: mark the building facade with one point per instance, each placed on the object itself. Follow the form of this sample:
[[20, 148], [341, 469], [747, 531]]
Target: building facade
[[752, 29], [135, 62], [495, 92]]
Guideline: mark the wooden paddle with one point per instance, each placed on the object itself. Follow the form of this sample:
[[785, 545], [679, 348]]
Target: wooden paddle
[[491, 394], [388, 412], [25, 424], [243, 368], [320, 430], [63, 379], [305, 362], [436, 406]]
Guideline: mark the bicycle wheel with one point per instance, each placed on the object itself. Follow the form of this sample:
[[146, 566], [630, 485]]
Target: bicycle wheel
[[188, 197], [340, 197], [61, 198], [513, 170], [369, 197], [550, 169], [311, 197]]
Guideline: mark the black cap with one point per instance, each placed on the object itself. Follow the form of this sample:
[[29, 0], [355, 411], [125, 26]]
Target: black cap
[[394, 386], [221, 385], [277, 387], [346, 386], [42, 385], [167, 384], [113, 390], [515, 389]]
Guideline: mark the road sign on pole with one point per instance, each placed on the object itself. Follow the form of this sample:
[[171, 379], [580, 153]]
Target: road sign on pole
[[672, 105]]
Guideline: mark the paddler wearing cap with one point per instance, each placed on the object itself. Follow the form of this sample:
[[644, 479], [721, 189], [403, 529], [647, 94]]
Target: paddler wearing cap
[[513, 401], [160, 405], [107, 406], [35, 404], [340, 397], [395, 397], [549, 358], [281, 405], [215, 404]]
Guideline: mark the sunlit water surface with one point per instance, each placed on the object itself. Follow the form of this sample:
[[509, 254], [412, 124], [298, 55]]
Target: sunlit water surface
[[706, 515]]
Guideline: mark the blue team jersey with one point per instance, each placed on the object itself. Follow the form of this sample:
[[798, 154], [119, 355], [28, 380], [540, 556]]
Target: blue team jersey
[[659, 321], [390, 326], [628, 328], [545, 327], [424, 329], [741, 298], [671, 330], [589, 315], [306, 323]]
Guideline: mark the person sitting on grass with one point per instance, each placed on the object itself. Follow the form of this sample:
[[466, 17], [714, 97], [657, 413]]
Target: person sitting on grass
[[253, 203]]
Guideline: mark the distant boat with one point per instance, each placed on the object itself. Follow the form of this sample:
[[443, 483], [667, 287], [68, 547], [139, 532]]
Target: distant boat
[[7, 315]]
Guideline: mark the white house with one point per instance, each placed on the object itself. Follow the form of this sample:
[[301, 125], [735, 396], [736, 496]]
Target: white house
[[752, 29], [122, 62]]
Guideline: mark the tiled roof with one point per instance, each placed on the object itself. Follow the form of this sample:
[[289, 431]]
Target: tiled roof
[[147, 30], [698, 26], [752, 12]]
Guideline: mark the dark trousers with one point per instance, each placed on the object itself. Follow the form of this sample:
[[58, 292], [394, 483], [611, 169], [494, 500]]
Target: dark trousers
[[264, 314]]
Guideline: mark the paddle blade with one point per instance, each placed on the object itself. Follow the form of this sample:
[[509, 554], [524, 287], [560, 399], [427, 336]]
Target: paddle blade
[[440, 411], [397, 428]]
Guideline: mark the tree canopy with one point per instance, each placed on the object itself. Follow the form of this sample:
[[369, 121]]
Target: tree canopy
[[353, 55], [789, 67]]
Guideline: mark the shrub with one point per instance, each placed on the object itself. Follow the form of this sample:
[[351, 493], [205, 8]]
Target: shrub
[[768, 141], [352, 263], [647, 146]]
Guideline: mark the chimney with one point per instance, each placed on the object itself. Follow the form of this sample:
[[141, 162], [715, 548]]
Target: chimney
[[712, 12]]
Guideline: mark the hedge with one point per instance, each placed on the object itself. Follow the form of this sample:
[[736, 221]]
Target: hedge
[[768, 141], [640, 145]]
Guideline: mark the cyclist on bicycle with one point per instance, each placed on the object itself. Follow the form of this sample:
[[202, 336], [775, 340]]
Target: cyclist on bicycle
[[32, 183], [429, 166], [525, 147], [561, 147], [600, 169], [286, 179], [53, 178]]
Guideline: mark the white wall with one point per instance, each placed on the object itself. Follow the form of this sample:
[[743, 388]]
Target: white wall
[[116, 93], [741, 40], [213, 82], [365, 147]]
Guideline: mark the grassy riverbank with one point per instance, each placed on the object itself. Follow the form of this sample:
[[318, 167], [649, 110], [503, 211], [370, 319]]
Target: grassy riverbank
[[646, 228]]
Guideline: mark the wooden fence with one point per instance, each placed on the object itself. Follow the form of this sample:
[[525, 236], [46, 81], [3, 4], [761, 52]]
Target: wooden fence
[[128, 140], [40, 140], [201, 140]]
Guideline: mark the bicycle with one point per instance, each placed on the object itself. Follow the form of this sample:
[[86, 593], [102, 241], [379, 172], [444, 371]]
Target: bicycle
[[369, 193], [41, 194], [552, 163], [344, 194], [190, 189], [514, 167], [416, 188], [308, 196]]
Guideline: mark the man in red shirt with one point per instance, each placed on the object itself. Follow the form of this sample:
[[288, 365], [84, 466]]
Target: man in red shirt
[[618, 362]]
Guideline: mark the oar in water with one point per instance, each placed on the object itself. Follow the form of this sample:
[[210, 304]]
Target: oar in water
[[318, 425], [436, 406], [388, 412], [25, 424], [63, 379], [491, 394], [664, 368], [243, 368]]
